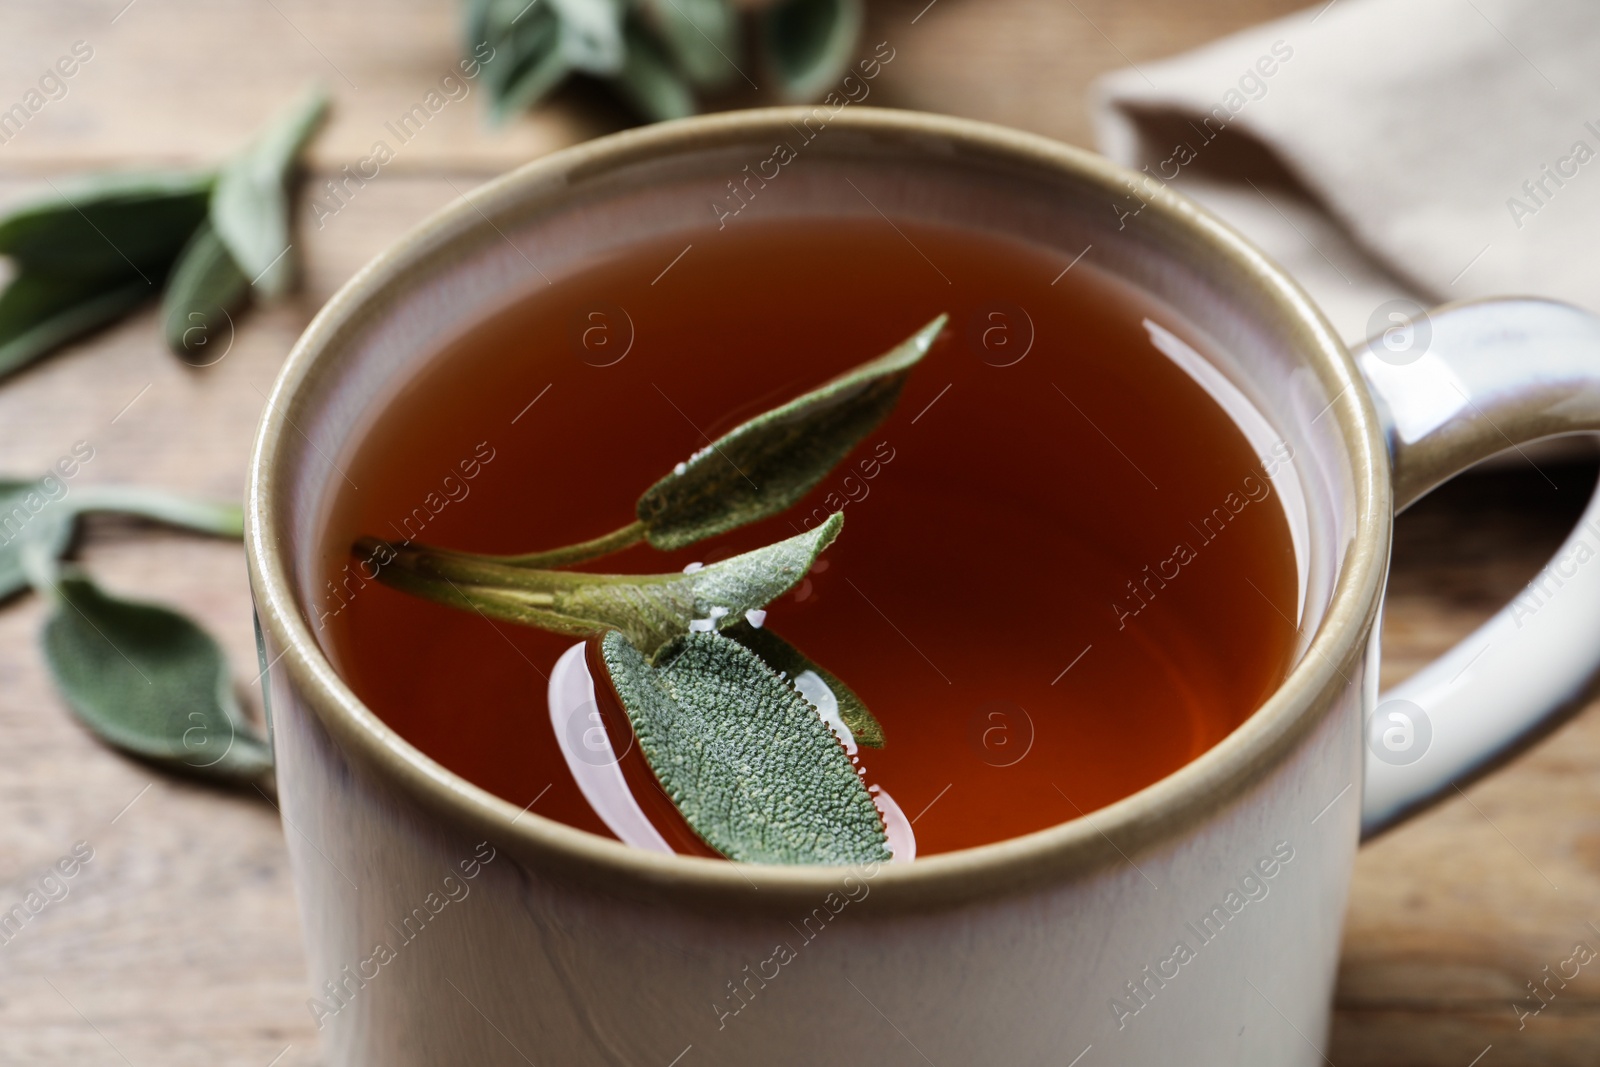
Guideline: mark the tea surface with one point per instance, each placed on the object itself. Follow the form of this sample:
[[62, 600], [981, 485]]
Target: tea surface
[[1061, 575]]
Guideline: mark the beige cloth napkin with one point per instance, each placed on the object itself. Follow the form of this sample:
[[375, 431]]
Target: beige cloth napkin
[[1432, 149]]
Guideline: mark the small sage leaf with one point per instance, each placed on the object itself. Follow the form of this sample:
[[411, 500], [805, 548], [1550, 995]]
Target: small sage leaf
[[651, 609], [250, 206], [30, 513], [793, 664], [763, 466], [649, 82], [107, 225], [807, 43], [752, 767], [205, 288], [150, 682], [702, 37], [41, 311]]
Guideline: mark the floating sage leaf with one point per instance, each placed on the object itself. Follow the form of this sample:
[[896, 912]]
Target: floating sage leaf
[[30, 514], [807, 43], [794, 665], [41, 311], [147, 680], [649, 82], [250, 206], [752, 767], [205, 289], [651, 609], [702, 37], [108, 225], [760, 468]]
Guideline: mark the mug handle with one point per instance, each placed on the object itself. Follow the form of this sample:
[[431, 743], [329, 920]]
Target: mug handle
[[1452, 387]]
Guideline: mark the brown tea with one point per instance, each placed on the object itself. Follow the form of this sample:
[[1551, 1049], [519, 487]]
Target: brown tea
[[1063, 572]]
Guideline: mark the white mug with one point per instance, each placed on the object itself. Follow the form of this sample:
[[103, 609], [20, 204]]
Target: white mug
[[1196, 921]]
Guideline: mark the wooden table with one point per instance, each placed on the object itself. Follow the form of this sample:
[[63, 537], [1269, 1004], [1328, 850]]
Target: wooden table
[[178, 943]]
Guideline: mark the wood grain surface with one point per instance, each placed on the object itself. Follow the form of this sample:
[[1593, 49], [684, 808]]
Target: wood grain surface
[[177, 943]]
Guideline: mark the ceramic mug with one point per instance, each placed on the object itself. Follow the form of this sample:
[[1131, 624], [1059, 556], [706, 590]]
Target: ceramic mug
[[1196, 921]]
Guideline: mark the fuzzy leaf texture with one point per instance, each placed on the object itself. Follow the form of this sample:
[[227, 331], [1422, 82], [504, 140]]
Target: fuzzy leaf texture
[[651, 609], [792, 663], [763, 466], [752, 767]]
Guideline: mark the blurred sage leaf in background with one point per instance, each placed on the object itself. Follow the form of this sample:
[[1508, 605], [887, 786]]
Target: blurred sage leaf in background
[[658, 56], [807, 43], [150, 682], [40, 312], [702, 38], [527, 61], [205, 289], [29, 514], [591, 34], [142, 677], [158, 505], [250, 207], [98, 247], [89, 253], [649, 82], [746, 759]]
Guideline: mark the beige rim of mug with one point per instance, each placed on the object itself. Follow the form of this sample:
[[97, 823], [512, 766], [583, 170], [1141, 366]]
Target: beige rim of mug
[[1123, 829]]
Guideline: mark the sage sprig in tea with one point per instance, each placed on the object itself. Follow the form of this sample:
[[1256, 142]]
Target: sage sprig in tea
[[718, 701]]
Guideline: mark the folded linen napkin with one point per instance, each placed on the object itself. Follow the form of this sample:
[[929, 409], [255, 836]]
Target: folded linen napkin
[[1381, 149]]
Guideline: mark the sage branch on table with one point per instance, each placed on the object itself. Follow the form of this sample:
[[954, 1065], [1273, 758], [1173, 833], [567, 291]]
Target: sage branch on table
[[723, 708], [207, 241], [661, 57], [142, 677]]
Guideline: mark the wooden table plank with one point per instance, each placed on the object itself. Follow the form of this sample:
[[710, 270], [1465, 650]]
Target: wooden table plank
[[178, 942]]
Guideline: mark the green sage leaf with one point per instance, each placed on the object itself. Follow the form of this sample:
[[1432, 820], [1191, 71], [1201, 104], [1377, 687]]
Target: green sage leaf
[[158, 505], [649, 82], [250, 206], [30, 512], [150, 682], [760, 468], [205, 289], [592, 34], [794, 664], [41, 311], [752, 767], [701, 36], [108, 225], [808, 43], [527, 61], [651, 609]]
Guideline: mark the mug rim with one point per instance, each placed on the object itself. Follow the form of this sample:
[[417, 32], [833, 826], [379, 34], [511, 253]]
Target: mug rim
[[1131, 824]]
